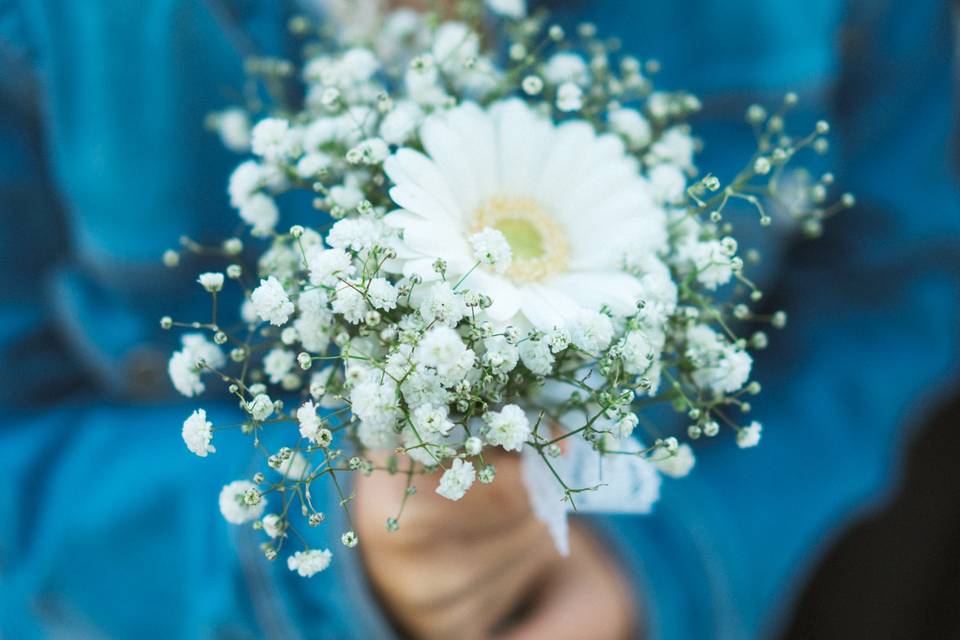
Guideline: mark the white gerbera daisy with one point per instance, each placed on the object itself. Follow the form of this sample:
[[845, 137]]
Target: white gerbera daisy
[[568, 201]]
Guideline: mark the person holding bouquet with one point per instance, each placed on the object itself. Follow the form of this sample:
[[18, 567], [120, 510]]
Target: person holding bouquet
[[107, 527]]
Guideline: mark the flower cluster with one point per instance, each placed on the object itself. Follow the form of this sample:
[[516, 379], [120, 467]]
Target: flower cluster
[[507, 252]]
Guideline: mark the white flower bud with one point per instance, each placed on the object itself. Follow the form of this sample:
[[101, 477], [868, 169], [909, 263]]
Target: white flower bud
[[232, 246], [711, 428], [532, 85], [756, 114], [473, 445]]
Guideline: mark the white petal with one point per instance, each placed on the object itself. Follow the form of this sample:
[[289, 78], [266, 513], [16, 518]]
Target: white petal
[[462, 144], [433, 240], [593, 289], [504, 294], [595, 188], [594, 250], [442, 143], [564, 160], [478, 136], [523, 142], [417, 201], [422, 267], [408, 167], [546, 307]]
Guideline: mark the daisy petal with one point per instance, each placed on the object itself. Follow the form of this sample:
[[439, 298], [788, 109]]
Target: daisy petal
[[592, 289], [505, 296]]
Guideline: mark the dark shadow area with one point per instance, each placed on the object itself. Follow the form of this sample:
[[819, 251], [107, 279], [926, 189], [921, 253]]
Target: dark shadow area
[[896, 574]]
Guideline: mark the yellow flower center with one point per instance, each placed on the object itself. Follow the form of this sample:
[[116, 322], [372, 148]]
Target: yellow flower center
[[538, 243]]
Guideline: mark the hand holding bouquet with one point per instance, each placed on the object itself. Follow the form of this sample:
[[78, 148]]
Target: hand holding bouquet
[[510, 250]]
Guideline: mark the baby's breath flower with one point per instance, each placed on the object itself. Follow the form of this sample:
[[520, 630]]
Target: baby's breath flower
[[756, 114], [473, 445], [637, 352], [375, 404], [346, 198], [537, 356], [369, 151], [532, 85], [401, 122], [749, 436], [272, 139], [500, 356], [349, 539], [309, 421], [718, 365], [710, 260], [508, 8], [442, 305], [309, 563], [569, 97], [507, 428], [261, 407], [382, 294], [625, 426], [288, 336], [566, 67], [187, 365], [354, 234], [198, 433], [260, 212], [443, 350], [591, 331], [327, 266], [278, 363], [271, 302], [492, 249], [236, 507], [456, 480], [350, 303], [232, 246], [631, 124], [559, 339], [233, 126], [273, 525], [487, 474], [678, 464]]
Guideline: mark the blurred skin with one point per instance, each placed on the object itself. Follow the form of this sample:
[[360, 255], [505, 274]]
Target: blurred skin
[[484, 566]]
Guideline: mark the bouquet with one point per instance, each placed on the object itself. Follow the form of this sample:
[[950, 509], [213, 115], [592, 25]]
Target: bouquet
[[508, 246]]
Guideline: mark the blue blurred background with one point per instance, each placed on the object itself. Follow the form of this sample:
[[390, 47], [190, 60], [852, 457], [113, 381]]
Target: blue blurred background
[[108, 528]]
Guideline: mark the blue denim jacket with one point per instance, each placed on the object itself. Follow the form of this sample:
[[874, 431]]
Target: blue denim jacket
[[108, 528]]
